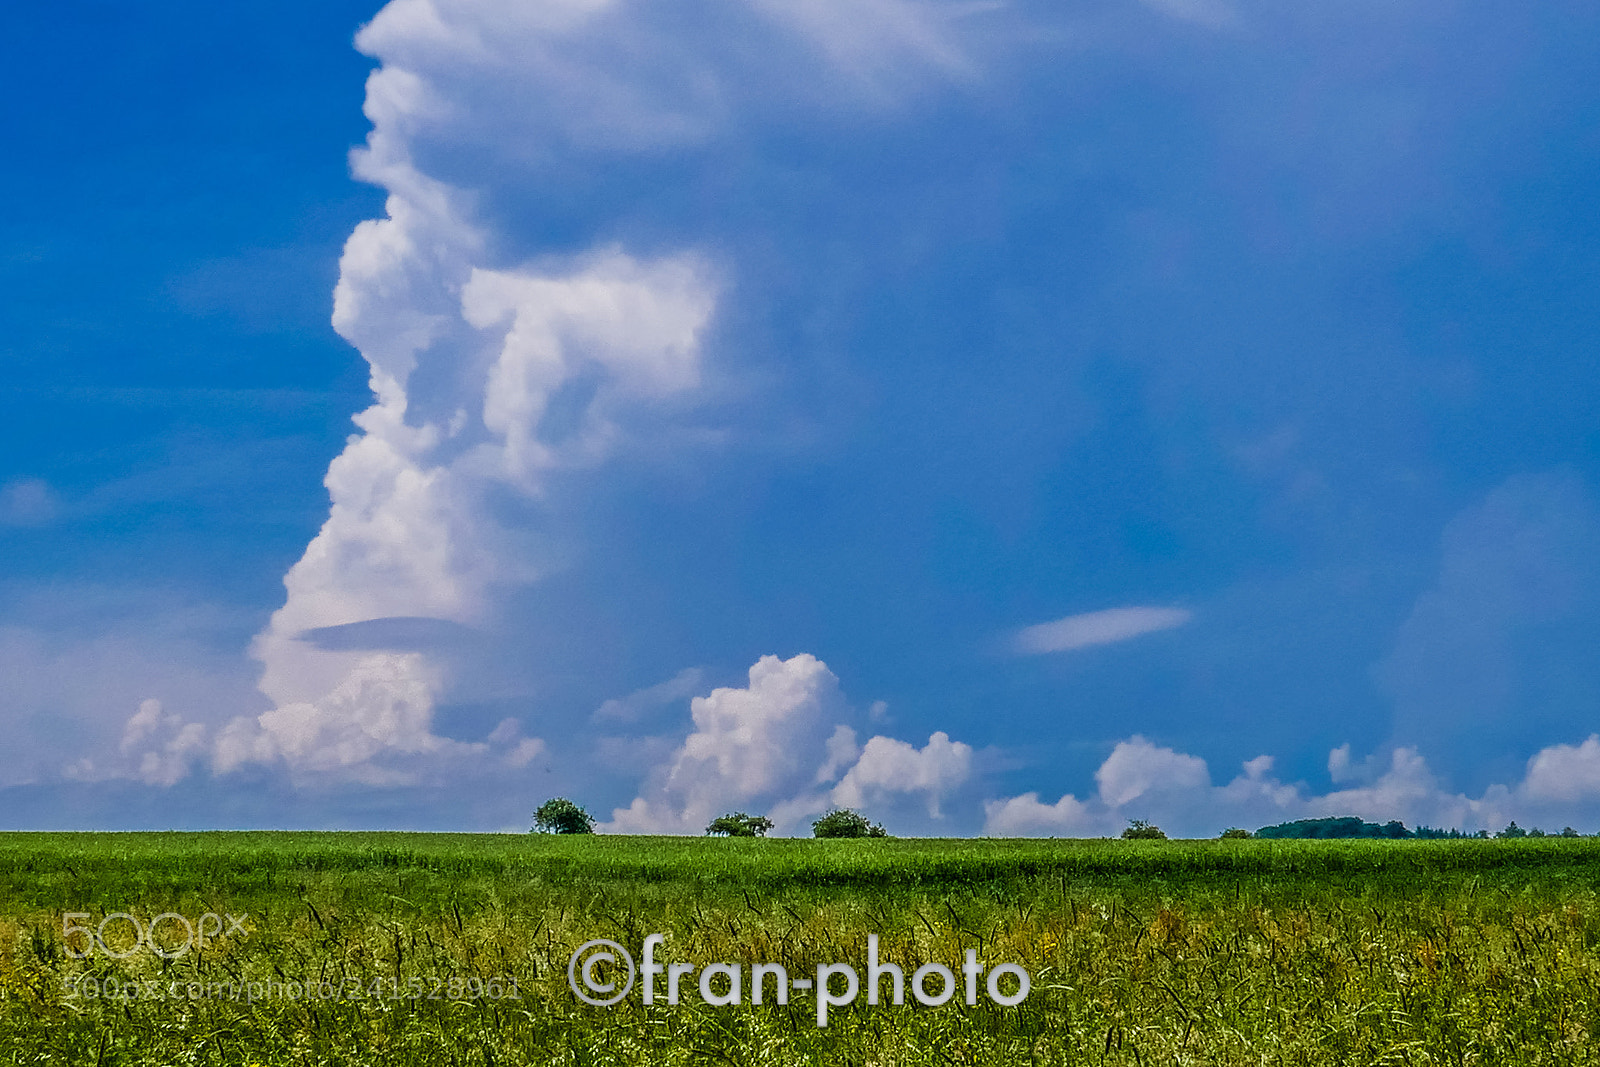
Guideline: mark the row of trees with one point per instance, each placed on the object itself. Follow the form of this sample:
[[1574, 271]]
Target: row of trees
[[1351, 827], [562, 816], [1394, 830]]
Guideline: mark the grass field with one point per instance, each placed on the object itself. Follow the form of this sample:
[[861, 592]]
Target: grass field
[[453, 949]]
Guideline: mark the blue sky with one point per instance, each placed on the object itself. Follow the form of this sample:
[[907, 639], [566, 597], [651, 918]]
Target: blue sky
[[1002, 417]]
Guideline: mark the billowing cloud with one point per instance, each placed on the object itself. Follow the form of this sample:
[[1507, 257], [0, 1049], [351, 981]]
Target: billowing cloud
[[1136, 768], [412, 534], [1096, 628], [560, 79], [1028, 816], [413, 530], [492, 376], [1566, 773], [381, 711], [888, 766], [163, 745], [776, 746], [487, 380], [759, 745], [494, 365]]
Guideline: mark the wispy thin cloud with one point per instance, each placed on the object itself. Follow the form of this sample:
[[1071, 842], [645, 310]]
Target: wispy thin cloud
[[28, 502], [1096, 628], [637, 704]]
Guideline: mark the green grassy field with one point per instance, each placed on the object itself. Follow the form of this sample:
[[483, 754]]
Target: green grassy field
[[453, 949]]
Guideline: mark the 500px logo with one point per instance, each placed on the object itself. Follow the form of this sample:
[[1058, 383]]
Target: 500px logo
[[169, 935], [602, 973]]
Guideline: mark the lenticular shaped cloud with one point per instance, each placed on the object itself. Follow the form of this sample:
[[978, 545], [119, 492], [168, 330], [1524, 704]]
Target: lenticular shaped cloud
[[1097, 628]]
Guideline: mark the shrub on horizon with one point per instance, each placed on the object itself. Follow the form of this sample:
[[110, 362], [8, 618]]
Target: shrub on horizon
[[558, 815], [738, 824], [1139, 830], [845, 822]]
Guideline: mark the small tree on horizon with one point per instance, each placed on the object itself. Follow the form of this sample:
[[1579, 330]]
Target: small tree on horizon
[[558, 815], [738, 824], [1512, 830], [1233, 833], [845, 822], [1139, 830]]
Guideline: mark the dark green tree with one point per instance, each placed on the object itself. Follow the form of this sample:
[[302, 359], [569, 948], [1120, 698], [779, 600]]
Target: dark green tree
[[1234, 833], [1139, 830], [1513, 830], [1346, 826], [559, 815], [843, 822], [738, 824]]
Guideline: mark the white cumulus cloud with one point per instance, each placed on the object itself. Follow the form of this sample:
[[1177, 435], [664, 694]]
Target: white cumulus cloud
[[1561, 786], [776, 746], [758, 745], [1566, 772], [887, 766], [1028, 816], [1137, 767]]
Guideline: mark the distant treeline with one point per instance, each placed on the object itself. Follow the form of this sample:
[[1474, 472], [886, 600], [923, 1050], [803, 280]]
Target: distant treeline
[[1394, 830]]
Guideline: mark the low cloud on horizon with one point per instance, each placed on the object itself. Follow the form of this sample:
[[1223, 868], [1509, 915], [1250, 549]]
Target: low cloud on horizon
[[784, 745]]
